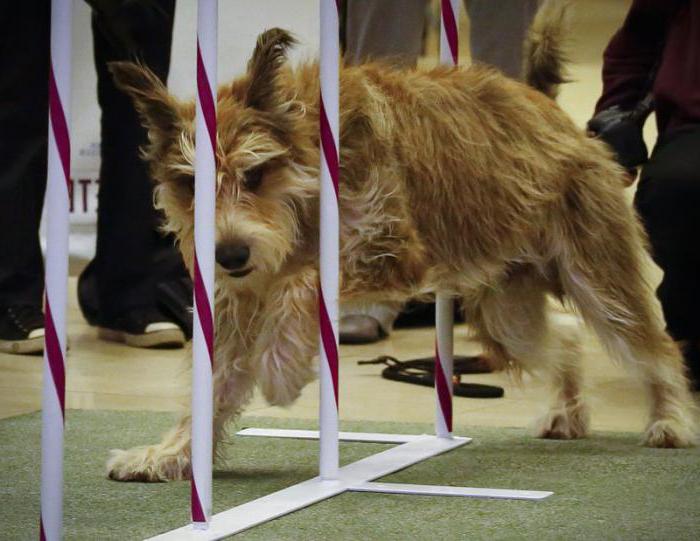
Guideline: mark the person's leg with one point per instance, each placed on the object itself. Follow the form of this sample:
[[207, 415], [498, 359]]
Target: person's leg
[[384, 30], [392, 29], [498, 31], [24, 59], [389, 30], [365, 324], [667, 199], [128, 241]]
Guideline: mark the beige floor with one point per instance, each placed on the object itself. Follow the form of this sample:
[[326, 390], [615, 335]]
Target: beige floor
[[109, 376]]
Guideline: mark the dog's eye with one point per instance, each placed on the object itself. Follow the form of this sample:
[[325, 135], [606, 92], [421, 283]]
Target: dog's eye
[[253, 178]]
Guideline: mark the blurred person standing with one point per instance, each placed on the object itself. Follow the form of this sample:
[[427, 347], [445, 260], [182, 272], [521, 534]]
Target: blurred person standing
[[653, 62], [136, 288], [393, 31]]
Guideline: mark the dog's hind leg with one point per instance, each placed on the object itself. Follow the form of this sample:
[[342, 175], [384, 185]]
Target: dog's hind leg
[[520, 333], [568, 416], [600, 270]]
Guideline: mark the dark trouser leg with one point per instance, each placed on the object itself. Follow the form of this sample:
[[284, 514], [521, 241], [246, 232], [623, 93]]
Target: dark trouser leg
[[668, 199], [498, 31], [127, 238], [24, 61], [384, 30]]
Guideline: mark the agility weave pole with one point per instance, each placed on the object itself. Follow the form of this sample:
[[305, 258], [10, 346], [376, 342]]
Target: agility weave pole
[[411, 449], [204, 262], [329, 247], [56, 273], [444, 304]]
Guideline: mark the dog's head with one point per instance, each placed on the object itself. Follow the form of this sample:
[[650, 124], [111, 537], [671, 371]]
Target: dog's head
[[266, 183]]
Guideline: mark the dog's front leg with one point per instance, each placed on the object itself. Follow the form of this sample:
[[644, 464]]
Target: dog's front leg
[[170, 459], [284, 351]]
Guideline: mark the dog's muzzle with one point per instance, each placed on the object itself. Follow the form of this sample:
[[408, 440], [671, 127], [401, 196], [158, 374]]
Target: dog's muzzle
[[234, 257]]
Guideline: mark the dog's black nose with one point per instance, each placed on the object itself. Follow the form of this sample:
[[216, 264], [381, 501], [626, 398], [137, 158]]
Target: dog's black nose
[[232, 256]]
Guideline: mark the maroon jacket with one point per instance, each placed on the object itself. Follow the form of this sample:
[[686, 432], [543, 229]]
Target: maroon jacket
[[661, 36]]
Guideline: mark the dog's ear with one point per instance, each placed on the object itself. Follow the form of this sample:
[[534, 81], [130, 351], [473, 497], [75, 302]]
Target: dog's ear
[[156, 107], [269, 56]]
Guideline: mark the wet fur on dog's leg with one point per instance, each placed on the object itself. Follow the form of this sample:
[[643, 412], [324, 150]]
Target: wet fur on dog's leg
[[233, 384], [169, 460], [568, 417], [617, 302], [284, 349], [523, 333], [287, 344]]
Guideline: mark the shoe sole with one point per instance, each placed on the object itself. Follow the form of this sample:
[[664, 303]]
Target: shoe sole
[[171, 338], [23, 347]]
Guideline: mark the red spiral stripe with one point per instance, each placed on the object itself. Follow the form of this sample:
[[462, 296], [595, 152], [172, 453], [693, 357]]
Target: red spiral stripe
[[330, 153], [197, 511], [450, 24], [54, 352], [201, 297], [204, 310], [206, 99], [328, 337], [329, 343], [444, 391], [59, 126]]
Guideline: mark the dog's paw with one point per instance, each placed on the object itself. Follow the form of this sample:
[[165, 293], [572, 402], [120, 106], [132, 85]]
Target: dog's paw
[[568, 423], [148, 465], [670, 434]]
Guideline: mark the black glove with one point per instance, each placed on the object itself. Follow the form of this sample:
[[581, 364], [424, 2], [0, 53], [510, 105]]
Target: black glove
[[622, 130]]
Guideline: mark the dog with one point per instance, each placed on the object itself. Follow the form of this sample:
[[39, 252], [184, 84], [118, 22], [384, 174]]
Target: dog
[[453, 180]]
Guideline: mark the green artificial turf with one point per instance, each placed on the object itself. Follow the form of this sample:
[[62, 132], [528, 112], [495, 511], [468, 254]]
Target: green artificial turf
[[606, 487]]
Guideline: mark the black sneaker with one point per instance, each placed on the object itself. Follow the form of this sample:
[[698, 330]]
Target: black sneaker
[[143, 328], [173, 298], [21, 329]]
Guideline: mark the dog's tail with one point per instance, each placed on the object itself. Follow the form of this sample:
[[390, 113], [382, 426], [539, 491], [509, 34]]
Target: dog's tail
[[545, 58]]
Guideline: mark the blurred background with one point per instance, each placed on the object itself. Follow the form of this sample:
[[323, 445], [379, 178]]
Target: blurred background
[[102, 375], [240, 22]]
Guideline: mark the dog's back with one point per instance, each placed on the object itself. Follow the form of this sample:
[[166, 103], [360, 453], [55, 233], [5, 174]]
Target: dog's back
[[482, 161]]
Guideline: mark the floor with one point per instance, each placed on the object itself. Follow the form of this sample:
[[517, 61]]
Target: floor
[[109, 376]]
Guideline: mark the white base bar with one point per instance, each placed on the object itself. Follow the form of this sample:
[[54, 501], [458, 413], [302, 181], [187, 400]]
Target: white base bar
[[353, 477], [468, 492], [366, 437], [314, 490]]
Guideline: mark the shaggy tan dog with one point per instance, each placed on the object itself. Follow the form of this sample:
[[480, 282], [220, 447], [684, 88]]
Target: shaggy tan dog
[[452, 180]]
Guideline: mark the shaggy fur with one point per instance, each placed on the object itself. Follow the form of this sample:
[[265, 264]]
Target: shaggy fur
[[453, 180], [544, 47]]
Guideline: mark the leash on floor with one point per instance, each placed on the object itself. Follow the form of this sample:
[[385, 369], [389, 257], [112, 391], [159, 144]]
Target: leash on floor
[[422, 372]]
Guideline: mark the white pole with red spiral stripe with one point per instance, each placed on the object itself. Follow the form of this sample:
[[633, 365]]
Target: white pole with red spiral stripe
[[204, 241], [449, 34], [329, 241], [56, 282], [444, 304]]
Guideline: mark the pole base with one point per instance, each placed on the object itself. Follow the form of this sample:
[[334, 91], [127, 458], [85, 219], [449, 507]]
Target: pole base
[[355, 477]]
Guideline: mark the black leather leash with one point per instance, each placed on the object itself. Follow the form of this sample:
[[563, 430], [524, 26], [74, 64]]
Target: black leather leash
[[422, 372]]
